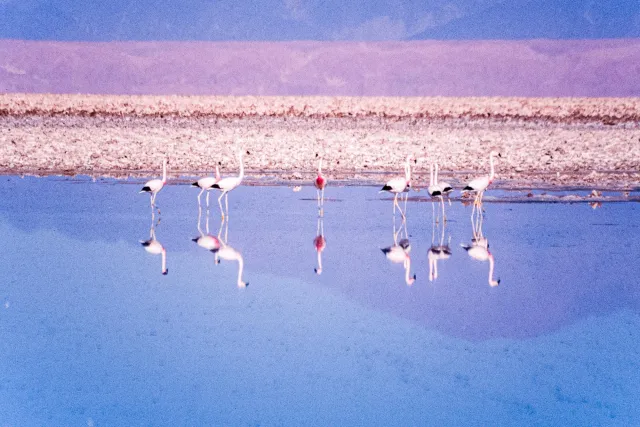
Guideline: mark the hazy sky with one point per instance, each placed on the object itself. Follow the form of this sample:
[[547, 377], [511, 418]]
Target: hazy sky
[[317, 19]]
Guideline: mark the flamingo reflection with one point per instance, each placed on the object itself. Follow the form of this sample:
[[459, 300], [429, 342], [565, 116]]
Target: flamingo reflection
[[319, 242], [228, 253], [153, 246], [439, 251], [479, 247], [399, 251], [206, 240]]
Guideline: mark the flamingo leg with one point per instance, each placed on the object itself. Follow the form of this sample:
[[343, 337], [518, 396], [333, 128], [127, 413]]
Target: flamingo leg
[[395, 202], [226, 202], [318, 197], [406, 197], [207, 199], [220, 204], [200, 194]]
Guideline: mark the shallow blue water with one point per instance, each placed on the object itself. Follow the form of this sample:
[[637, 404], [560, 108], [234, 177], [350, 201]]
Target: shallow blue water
[[92, 333]]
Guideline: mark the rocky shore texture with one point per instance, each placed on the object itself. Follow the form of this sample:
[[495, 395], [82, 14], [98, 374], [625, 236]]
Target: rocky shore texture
[[544, 142]]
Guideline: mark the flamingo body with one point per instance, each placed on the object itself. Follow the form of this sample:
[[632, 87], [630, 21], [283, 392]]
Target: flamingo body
[[319, 243], [227, 184], [396, 185], [478, 184], [152, 186], [207, 242], [320, 182]]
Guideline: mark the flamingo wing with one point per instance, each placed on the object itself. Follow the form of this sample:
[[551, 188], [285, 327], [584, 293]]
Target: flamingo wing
[[227, 184], [478, 184], [395, 185]]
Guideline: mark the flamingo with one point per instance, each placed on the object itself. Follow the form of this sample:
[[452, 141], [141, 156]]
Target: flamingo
[[399, 185], [155, 185], [437, 252], [433, 189], [319, 242], [228, 253], [399, 253], [320, 182], [153, 246], [206, 183], [479, 248], [206, 241], [445, 187], [480, 184], [227, 184]]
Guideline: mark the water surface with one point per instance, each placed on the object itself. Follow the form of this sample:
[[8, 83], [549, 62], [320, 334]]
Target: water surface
[[92, 332]]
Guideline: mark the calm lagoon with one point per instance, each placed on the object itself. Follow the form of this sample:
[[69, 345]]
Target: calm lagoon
[[91, 332]]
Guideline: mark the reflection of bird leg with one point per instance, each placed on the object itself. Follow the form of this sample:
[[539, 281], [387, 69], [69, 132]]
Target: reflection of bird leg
[[226, 203], [444, 217], [220, 204], [318, 197], [200, 220], [433, 223], [406, 197], [200, 194], [207, 201], [491, 265], [395, 202]]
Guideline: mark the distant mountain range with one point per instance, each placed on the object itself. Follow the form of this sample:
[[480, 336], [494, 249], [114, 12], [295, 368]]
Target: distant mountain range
[[418, 68], [273, 20]]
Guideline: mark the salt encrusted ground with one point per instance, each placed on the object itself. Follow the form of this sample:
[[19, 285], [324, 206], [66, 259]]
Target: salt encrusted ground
[[592, 143]]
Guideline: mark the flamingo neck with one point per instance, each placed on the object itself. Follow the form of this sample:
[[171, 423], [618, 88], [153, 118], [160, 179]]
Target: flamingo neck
[[491, 265], [436, 177], [320, 168], [164, 171], [407, 172], [240, 268], [217, 172], [319, 260], [407, 269], [431, 174], [492, 174]]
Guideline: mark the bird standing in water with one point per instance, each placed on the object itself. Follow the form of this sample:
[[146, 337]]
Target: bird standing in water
[[227, 184], [399, 185], [320, 182], [206, 183], [154, 186]]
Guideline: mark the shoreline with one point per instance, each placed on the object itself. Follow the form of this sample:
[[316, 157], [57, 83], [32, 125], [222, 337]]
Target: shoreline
[[360, 139]]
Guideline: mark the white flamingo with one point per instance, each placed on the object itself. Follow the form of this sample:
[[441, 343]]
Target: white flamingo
[[206, 184], [479, 248], [445, 187], [399, 185], [437, 252], [479, 185], [399, 253], [433, 189], [206, 241], [228, 253], [153, 246], [227, 184], [155, 185]]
